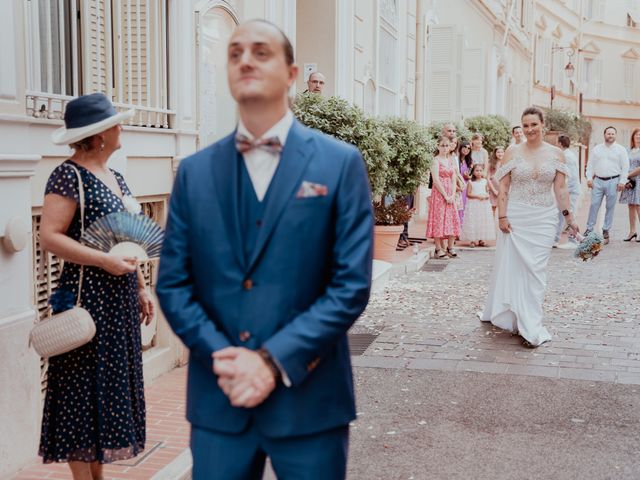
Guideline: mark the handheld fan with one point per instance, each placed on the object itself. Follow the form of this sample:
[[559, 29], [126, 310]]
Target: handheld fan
[[126, 234]]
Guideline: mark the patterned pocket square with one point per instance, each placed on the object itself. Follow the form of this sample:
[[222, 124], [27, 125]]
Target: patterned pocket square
[[310, 189]]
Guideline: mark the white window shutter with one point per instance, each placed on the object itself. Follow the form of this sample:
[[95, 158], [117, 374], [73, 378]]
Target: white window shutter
[[133, 51], [602, 10], [539, 59], [543, 60], [598, 77], [97, 47], [629, 77], [472, 82], [442, 62]]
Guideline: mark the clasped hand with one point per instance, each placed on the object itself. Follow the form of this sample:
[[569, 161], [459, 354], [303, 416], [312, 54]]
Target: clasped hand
[[243, 376]]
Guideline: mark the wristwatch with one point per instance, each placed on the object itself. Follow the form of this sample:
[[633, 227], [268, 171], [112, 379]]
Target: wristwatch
[[268, 359], [565, 212]]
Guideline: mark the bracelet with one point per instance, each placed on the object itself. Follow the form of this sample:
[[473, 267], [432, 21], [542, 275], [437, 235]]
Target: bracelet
[[500, 218]]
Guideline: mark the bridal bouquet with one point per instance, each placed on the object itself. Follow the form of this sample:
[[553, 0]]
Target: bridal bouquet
[[589, 246]]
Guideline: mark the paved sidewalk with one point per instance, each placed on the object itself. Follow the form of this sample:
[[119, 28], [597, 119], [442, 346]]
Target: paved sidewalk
[[167, 435]]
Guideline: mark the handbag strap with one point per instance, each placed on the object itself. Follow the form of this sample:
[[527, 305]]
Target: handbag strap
[[81, 202], [45, 254]]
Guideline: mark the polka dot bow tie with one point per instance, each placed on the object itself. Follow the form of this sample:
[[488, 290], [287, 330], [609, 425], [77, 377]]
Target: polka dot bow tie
[[245, 144]]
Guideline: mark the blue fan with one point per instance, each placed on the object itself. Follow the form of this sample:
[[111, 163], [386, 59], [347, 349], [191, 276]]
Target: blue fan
[[126, 234]]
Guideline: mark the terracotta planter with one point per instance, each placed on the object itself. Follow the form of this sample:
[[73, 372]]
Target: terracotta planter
[[385, 241], [552, 137]]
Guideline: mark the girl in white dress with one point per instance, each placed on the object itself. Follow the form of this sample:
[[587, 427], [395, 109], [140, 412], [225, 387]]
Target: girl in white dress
[[479, 224]]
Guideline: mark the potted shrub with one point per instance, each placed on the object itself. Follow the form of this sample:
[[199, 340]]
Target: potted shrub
[[559, 121], [411, 157], [495, 129], [336, 117], [397, 153]]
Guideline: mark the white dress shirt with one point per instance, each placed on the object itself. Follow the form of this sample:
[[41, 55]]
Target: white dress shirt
[[260, 163], [573, 179], [261, 166], [479, 157], [608, 161]]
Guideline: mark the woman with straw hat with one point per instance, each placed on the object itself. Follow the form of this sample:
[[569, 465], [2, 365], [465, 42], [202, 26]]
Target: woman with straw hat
[[94, 410]]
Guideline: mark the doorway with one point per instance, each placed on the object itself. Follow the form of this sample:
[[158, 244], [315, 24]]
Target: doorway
[[217, 114]]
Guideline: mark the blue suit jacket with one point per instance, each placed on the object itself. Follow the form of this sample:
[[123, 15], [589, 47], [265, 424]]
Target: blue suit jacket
[[306, 282]]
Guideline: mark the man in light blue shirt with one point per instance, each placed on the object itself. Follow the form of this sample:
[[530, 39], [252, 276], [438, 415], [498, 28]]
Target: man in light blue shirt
[[573, 182]]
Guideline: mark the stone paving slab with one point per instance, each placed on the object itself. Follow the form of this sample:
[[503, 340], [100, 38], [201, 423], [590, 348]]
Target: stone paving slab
[[428, 319]]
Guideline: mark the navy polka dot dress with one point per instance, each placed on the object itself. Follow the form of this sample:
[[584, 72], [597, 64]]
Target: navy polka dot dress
[[94, 408]]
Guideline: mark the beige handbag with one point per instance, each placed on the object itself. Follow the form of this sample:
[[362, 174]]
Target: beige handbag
[[72, 328]]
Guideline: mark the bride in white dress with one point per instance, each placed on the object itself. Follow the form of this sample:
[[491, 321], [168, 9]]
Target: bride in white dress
[[528, 217]]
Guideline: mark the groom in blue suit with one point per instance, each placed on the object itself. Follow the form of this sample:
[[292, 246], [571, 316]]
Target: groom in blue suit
[[266, 264]]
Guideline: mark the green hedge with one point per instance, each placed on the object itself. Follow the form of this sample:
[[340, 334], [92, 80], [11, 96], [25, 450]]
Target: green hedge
[[495, 129], [397, 152]]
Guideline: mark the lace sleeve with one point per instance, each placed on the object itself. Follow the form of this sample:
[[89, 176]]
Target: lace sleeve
[[505, 169], [561, 167]]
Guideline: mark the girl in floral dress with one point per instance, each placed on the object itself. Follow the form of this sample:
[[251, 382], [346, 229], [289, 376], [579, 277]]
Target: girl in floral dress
[[443, 222]]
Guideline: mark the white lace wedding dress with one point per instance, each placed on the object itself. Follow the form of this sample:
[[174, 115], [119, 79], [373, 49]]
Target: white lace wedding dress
[[519, 278]]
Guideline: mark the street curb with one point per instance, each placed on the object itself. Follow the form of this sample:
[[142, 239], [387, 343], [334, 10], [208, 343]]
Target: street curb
[[381, 272], [178, 469], [413, 263]]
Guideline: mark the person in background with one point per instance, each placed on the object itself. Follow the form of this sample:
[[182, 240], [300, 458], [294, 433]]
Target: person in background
[[464, 165], [316, 83], [631, 194], [448, 130], [479, 225], [479, 154], [606, 175], [443, 222], [404, 241], [573, 185], [94, 409], [517, 135], [495, 162]]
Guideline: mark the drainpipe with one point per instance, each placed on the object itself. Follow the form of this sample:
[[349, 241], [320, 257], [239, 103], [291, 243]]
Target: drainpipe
[[420, 53]]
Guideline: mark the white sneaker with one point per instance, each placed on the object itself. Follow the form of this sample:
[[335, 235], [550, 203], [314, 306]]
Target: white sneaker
[[567, 246]]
